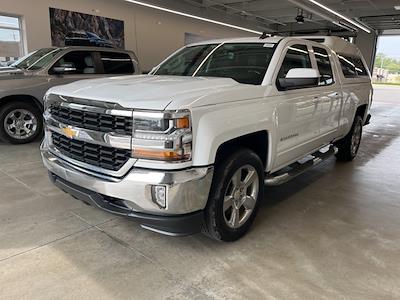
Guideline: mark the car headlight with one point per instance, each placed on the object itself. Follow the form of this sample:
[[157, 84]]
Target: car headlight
[[165, 136]]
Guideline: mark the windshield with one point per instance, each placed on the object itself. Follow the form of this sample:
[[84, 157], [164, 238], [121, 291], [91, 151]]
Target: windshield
[[37, 60], [244, 62]]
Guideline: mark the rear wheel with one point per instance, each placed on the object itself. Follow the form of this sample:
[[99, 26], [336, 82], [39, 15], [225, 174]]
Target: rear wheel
[[236, 192], [20, 122], [349, 145]]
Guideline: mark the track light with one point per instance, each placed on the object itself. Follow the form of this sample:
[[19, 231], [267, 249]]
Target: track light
[[341, 16], [192, 16], [300, 18]]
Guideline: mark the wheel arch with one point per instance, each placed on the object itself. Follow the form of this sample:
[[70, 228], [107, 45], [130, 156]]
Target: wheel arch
[[21, 97], [257, 141], [362, 111]]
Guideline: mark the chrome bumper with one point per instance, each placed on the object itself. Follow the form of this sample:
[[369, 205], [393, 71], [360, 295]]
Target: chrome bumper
[[187, 190]]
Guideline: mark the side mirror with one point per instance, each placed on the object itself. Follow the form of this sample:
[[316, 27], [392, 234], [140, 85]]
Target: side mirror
[[298, 78], [63, 69]]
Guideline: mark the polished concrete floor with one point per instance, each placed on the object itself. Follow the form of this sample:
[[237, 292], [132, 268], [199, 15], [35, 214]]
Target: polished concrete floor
[[333, 233]]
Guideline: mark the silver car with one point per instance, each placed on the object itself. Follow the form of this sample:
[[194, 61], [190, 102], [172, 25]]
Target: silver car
[[24, 83]]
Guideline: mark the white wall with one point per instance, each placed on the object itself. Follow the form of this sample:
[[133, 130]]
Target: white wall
[[150, 33]]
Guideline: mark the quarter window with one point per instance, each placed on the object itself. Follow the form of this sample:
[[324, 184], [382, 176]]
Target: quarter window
[[324, 66], [117, 63], [352, 66]]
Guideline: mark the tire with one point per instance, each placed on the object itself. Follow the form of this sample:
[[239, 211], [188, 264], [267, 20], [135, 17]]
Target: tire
[[229, 220], [20, 122], [349, 145]]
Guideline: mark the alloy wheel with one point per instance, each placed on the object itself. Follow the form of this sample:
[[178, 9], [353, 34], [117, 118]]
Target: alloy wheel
[[20, 124], [241, 196]]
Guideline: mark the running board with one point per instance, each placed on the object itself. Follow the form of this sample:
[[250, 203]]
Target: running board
[[297, 168]]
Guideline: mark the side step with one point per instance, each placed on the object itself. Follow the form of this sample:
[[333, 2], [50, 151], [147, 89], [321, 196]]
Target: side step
[[297, 168]]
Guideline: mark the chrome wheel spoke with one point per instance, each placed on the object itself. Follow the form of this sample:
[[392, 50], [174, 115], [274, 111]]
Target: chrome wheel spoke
[[234, 220], [249, 179], [228, 203], [236, 178]]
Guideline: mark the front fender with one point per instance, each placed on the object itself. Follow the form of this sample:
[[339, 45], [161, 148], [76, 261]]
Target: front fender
[[217, 124]]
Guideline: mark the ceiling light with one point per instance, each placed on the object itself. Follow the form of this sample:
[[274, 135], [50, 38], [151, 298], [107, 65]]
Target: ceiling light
[[192, 16], [341, 16], [397, 7]]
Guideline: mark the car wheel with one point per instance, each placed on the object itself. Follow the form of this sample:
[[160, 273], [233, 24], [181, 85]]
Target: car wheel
[[20, 122], [236, 192], [349, 145]]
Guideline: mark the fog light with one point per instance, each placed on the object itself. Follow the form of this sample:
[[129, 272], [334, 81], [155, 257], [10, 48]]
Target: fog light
[[159, 195]]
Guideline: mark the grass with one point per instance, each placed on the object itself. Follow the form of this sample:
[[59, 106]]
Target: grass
[[386, 83]]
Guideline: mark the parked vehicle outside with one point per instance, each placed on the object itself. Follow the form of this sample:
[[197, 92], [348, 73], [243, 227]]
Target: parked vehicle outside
[[25, 82], [190, 147], [86, 38]]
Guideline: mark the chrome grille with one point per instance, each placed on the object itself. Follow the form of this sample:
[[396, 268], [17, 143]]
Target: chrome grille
[[101, 156], [92, 120]]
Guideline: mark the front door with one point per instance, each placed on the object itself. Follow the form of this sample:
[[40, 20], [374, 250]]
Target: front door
[[83, 66], [298, 112]]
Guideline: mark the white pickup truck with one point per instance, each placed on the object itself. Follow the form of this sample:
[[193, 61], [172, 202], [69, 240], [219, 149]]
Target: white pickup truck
[[189, 147]]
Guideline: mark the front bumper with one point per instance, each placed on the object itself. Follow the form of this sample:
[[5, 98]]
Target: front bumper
[[130, 195]]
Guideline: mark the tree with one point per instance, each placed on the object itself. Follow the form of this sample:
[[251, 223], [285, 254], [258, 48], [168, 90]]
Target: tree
[[388, 63]]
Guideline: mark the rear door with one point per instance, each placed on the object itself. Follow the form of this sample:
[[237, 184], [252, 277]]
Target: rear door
[[330, 95], [116, 63]]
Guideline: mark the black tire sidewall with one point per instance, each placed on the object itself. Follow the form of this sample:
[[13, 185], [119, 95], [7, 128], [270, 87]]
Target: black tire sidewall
[[344, 146], [357, 121], [7, 108], [222, 176]]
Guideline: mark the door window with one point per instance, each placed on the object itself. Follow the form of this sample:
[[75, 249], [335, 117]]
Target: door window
[[296, 57], [324, 66], [81, 61], [117, 63]]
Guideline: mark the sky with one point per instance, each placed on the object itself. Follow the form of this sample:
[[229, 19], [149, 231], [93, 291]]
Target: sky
[[389, 45], [7, 34]]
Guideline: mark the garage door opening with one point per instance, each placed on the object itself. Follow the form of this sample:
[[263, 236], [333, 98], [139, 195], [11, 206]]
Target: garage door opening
[[387, 60]]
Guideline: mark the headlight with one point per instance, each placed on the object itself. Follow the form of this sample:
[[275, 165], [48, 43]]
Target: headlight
[[163, 136]]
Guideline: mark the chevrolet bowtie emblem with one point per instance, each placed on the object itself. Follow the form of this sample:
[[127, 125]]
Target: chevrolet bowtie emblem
[[69, 132]]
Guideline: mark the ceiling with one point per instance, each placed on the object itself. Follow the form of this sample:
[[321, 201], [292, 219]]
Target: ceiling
[[278, 16]]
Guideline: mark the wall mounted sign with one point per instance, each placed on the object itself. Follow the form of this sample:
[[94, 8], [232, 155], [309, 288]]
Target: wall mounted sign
[[69, 28]]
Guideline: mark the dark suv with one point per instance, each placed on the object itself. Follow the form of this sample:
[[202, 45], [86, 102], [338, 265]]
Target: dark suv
[[24, 83]]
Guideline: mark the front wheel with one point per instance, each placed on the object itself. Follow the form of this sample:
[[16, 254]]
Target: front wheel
[[349, 145], [20, 122], [236, 192]]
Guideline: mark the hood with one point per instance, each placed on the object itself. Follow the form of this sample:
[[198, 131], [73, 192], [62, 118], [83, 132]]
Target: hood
[[11, 72], [145, 91]]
